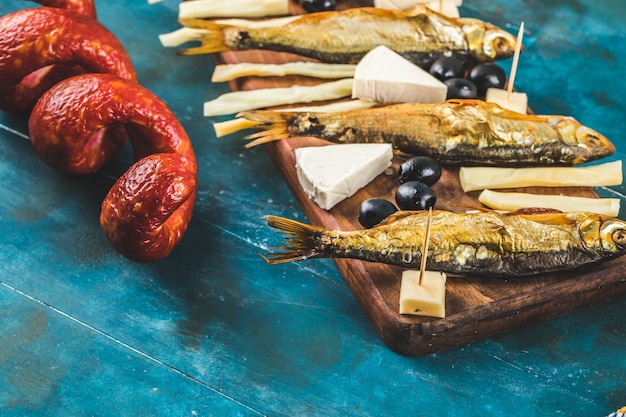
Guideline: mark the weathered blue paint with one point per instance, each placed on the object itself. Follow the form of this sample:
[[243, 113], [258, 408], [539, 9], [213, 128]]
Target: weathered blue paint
[[213, 331]]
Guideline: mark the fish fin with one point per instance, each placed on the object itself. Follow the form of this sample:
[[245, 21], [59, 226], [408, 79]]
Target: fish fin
[[212, 39], [300, 244], [477, 208], [513, 115], [556, 217], [273, 125], [500, 111], [397, 216]]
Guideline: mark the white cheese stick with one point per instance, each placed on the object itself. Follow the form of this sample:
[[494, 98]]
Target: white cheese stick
[[515, 201], [228, 72], [339, 106], [259, 24], [449, 8], [231, 126], [481, 178], [232, 8], [425, 298], [237, 101], [181, 36]]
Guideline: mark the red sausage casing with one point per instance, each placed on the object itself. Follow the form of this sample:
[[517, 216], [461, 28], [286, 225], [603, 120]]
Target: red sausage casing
[[148, 209], [41, 37], [84, 7]]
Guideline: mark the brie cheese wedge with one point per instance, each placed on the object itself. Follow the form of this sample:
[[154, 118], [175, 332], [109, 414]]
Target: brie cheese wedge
[[329, 174], [427, 298], [386, 77]]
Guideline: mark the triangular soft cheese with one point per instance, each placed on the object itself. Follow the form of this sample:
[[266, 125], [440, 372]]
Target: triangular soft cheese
[[385, 76], [329, 174]]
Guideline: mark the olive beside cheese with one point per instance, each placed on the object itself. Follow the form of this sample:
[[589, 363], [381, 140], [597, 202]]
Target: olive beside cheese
[[312, 6], [419, 168], [374, 211], [416, 175], [467, 83]]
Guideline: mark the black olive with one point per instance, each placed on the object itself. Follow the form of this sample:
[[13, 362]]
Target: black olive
[[420, 168], [461, 88], [486, 76], [415, 195], [445, 68], [375, 210], [312, 6]]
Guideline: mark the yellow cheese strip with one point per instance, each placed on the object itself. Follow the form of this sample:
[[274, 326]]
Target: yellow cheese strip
[[232, 8], [481, 178], [515, 201], [231, 126], [238, 101], [230, 72]]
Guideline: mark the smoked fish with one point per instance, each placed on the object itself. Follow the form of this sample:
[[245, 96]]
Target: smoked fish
[[343, 37], [485, 243], [468, 132]]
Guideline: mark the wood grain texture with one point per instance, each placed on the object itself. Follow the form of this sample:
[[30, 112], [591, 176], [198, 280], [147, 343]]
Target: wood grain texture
[[476, 307]]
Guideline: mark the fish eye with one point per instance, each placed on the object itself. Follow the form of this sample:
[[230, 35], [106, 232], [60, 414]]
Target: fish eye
[[500, 43], [619, 237], [593, 140]]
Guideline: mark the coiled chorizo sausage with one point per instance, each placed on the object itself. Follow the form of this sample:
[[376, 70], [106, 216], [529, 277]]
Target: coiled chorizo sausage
[[63, 43], [84, 7], [148, 209]]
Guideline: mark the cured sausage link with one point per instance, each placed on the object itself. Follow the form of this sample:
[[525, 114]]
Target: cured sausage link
[[148, 209], [84, 7], [65, 42]]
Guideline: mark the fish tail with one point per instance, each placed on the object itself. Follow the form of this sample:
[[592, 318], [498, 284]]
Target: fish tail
[[274, 126], [301, 243], [211, 36]]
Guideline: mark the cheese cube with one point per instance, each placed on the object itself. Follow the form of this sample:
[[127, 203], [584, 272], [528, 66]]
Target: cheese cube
[[426, 298], [386, 77], [329, 174], [517, 102]]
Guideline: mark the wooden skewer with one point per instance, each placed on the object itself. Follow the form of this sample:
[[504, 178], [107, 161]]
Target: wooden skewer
[[425, 250], [518, 48], [440, 6]]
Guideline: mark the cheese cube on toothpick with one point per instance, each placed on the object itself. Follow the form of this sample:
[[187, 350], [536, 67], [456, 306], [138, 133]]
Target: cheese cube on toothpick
[[427, 298], [509, 99], [423, 293]]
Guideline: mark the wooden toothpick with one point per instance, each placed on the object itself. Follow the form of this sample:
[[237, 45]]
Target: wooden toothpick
[[518, 48], [440, 6], [425, 250]]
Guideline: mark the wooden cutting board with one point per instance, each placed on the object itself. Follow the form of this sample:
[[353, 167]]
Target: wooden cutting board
[[476, 307]]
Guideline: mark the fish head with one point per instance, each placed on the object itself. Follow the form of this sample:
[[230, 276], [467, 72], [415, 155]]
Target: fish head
[[487, 42], [613, 236], [587, 143], [600, 233]]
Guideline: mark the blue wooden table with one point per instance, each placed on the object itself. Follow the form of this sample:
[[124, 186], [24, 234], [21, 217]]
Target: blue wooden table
[[214, 331]]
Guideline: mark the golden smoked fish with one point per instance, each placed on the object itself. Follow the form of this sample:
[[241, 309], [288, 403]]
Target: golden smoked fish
[[344, 37], [482, 243], [469, 132]]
